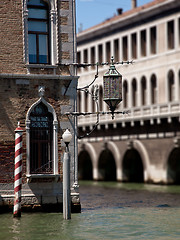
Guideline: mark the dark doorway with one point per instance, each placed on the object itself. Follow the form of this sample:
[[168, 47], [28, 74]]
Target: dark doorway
[[174, 167], [85, 166], [107, 166], [132, 167]]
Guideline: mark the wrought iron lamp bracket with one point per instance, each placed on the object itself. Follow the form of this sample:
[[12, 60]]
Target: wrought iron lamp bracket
[[95, 94]]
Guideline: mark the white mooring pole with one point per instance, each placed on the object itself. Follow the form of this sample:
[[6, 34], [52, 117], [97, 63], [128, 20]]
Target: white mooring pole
[[66, 177]]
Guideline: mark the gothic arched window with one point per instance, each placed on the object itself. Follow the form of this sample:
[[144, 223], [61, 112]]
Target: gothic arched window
[[38, 31], [41, 137]]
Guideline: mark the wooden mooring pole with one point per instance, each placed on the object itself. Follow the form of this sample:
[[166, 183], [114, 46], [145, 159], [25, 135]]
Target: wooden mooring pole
[[18, 171]]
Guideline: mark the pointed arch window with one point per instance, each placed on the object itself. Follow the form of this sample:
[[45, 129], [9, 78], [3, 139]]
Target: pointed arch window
[[41, 137], [41, 133], [38, 31]]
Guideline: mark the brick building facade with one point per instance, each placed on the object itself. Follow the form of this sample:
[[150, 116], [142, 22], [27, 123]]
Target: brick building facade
[[37, 37]]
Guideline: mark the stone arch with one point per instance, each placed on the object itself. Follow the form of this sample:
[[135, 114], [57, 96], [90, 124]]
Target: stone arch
[[52, 3], [48, 105], [106, 166], [153, 88], [132, 166], [85, 171], [54, 132], [87, 147], [173, 166], [140, 148], [143, 90], [117, 156], [134, 92], [171, 85]]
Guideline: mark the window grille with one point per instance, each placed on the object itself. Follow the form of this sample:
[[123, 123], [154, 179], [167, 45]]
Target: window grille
[[41, 140]]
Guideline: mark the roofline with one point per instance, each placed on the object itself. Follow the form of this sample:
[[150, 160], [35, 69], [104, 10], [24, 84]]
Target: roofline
[[139, 13]]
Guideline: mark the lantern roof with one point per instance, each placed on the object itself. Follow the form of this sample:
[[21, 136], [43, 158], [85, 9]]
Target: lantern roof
[[112, 70]]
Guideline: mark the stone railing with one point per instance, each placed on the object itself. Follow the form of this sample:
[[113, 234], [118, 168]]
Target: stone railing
[[151, 112]]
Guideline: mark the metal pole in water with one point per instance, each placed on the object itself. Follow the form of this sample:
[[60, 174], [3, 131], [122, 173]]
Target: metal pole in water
[[18, 171], [66, 176], [66, 185]]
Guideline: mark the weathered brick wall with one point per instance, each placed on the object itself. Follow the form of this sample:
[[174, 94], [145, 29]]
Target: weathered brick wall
[[19, 84], [15, 100], [6, 162], [18, 93], [11, 37]]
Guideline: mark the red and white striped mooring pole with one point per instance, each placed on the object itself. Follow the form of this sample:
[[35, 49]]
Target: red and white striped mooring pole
[[18, 171]]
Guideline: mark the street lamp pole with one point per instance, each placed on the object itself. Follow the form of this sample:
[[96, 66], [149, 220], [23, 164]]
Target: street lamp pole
[[112, 96], [66, 177]]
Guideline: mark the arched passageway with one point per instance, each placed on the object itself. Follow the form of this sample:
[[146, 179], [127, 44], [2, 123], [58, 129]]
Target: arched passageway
[[132, 167], [107, 166], [173, 167], [85, 166]]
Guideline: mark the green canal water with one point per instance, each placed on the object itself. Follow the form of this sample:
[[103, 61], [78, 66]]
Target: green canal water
[[109, 211]]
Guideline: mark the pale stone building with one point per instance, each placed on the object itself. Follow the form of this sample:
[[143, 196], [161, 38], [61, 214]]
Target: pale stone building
[[143, 145]]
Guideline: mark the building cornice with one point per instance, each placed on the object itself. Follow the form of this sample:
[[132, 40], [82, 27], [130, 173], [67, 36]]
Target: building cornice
[[132, 16], [38, 76]]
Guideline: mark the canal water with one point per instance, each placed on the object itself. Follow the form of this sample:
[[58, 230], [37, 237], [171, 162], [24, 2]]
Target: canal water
[[109, 211]]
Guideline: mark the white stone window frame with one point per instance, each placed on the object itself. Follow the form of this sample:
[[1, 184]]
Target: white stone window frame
[[53, 24], [55, 138]]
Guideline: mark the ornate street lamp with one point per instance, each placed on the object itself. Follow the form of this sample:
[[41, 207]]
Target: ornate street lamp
[[112, 96], [112, 87]]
